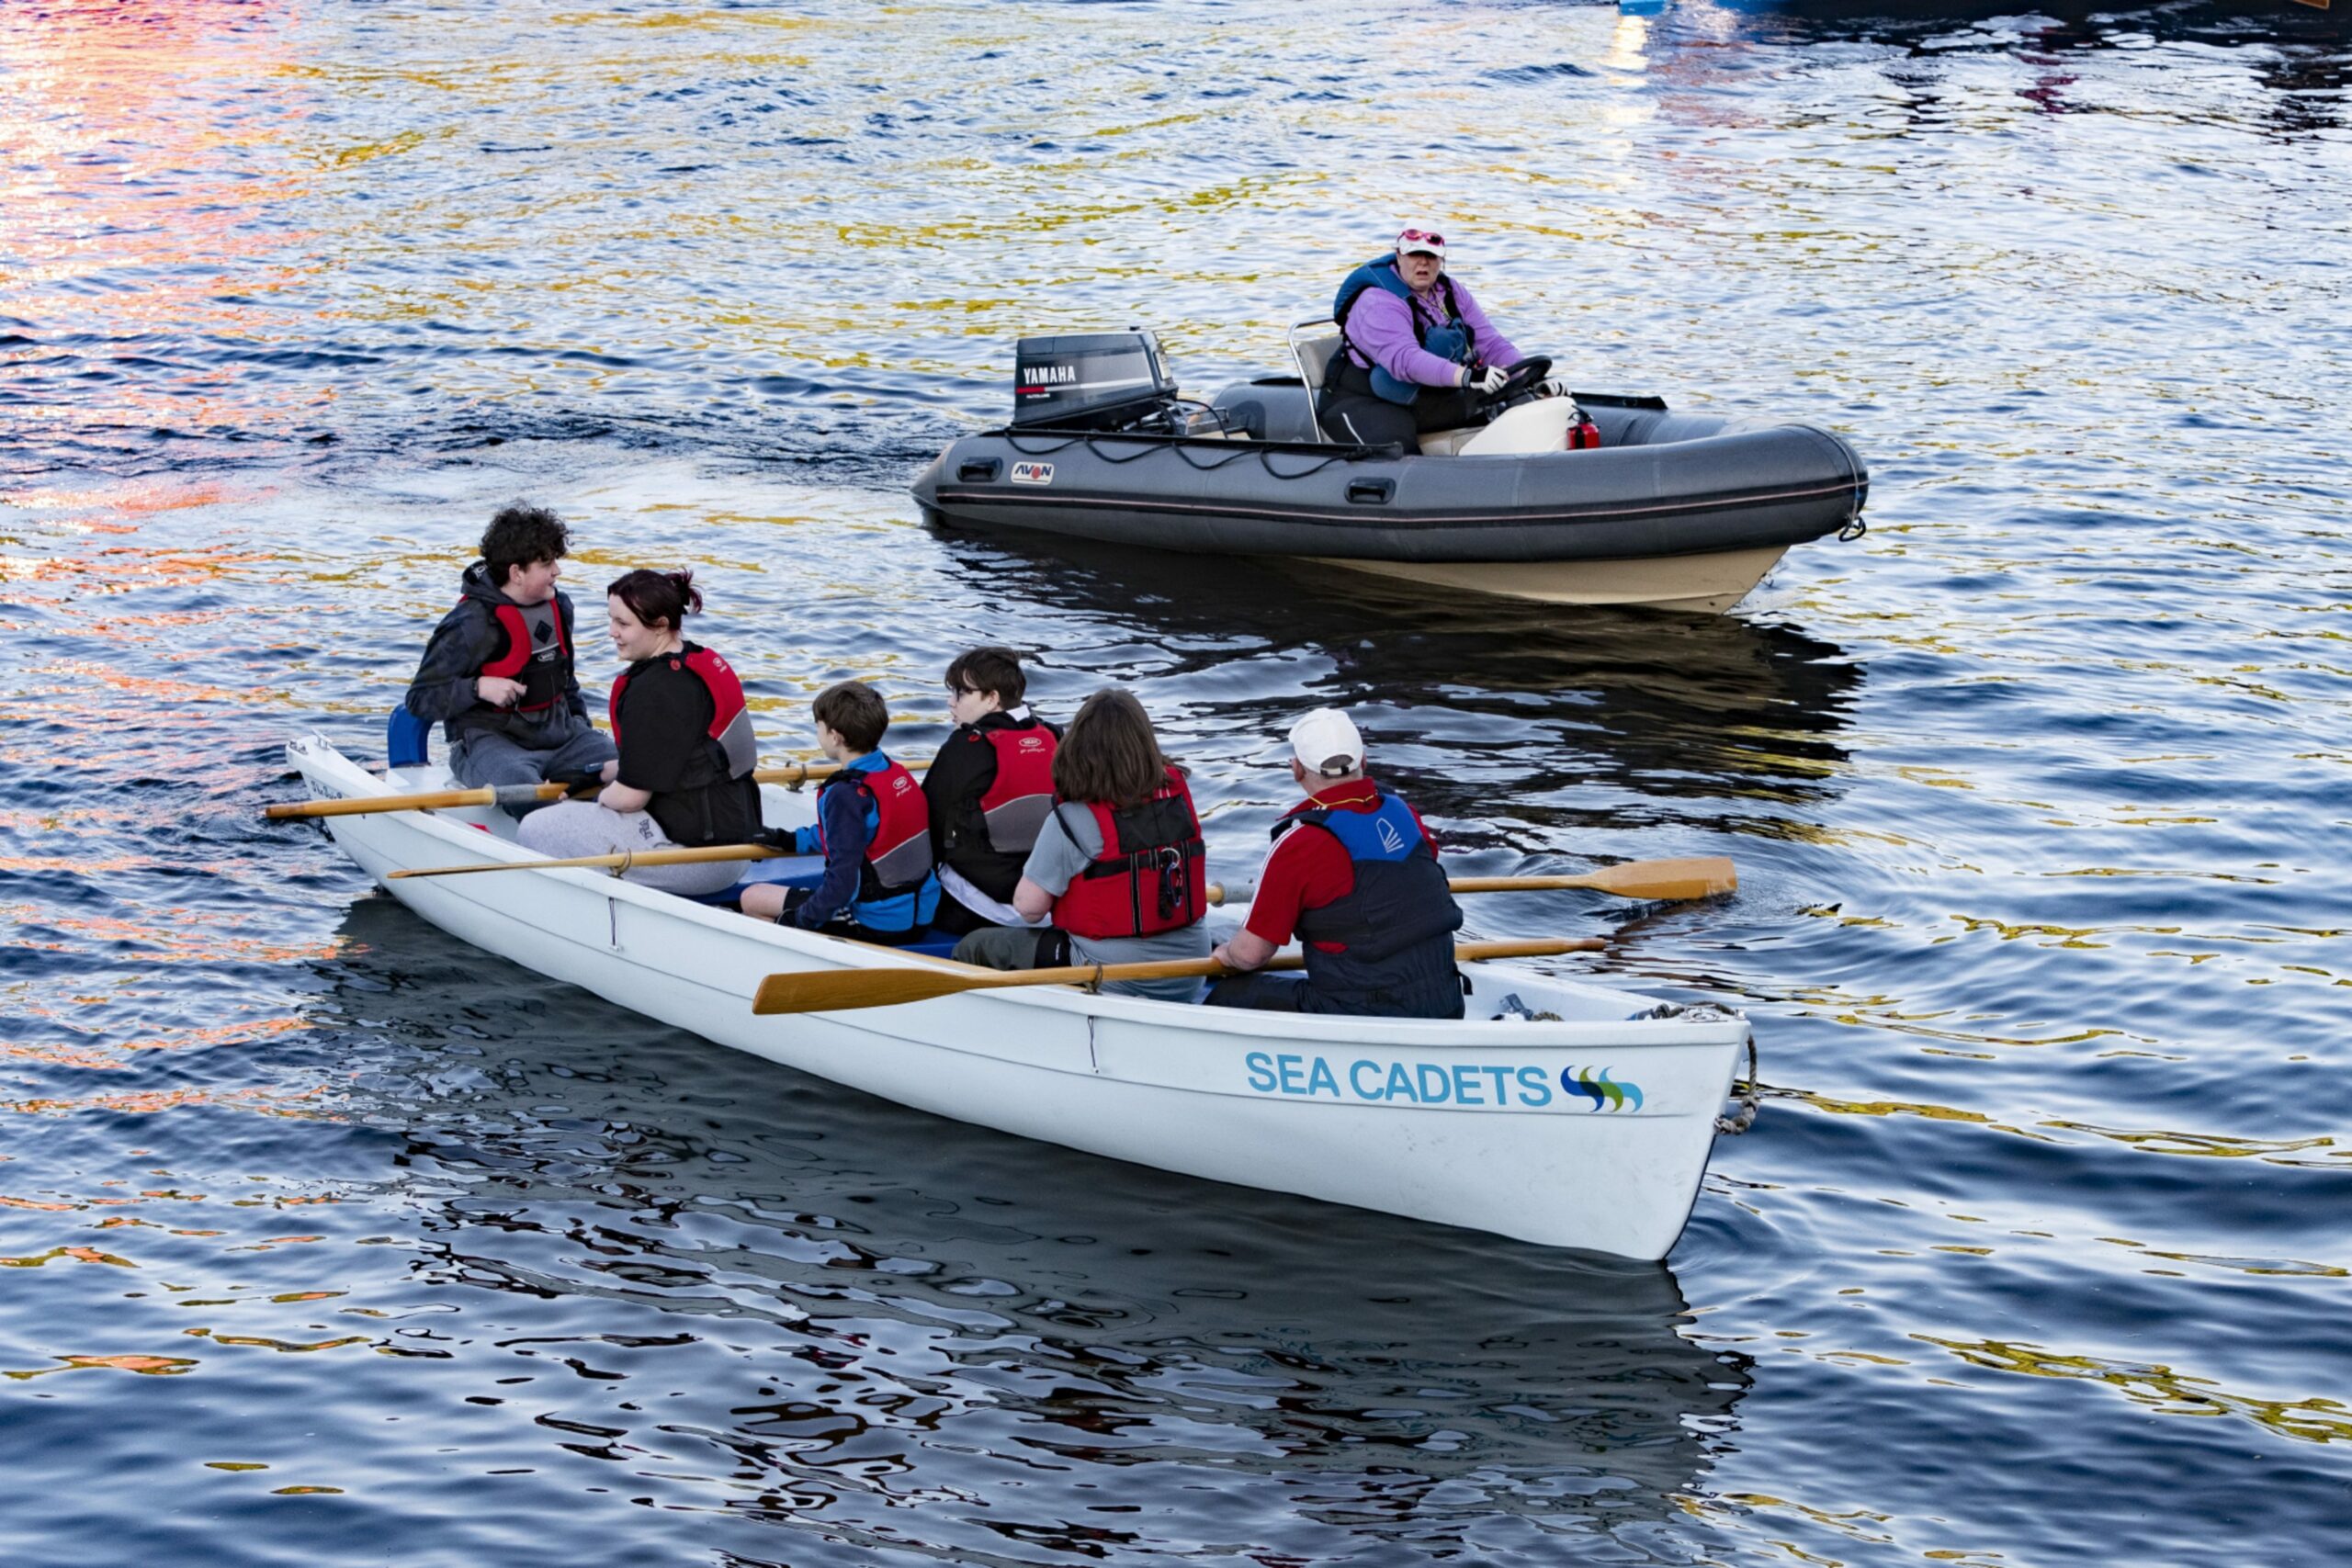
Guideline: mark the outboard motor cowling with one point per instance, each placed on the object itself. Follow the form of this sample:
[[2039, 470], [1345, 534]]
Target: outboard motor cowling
[[1090, 381]]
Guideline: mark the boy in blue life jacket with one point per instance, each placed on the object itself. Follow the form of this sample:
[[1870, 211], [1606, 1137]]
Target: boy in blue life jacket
[[873, 828], [1354, 876]]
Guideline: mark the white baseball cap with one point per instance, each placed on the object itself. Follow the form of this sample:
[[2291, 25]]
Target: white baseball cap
[[1326, 742], [1421, 237]]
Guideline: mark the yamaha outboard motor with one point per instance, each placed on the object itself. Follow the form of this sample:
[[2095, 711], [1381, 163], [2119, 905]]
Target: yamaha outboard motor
[[1095, 381]]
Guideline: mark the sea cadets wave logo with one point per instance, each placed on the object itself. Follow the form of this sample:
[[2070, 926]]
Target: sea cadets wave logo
[[1606, 1093], [1032, 473]]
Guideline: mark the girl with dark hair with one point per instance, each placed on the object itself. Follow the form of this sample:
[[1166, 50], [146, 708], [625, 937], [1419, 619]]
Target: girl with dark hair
[[1118, 870], [684, 775]]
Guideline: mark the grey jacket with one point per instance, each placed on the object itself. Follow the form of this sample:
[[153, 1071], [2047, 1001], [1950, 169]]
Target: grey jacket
[[471, 636]]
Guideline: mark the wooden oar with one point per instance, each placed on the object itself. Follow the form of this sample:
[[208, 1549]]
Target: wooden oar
[[1658, 880], [626, 860], [839, 990], [515, 795]]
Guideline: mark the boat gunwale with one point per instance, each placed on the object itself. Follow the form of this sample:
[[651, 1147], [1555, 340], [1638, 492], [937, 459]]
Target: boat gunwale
[[1484, 1035]]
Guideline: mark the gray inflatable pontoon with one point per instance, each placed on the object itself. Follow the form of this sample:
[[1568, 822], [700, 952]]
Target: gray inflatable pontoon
[[1676, 511]]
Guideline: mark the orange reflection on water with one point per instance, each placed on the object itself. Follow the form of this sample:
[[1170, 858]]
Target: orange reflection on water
[[147, 686], [80, 867], [82, 1058], [146, 196], [261, 1103], [136, 498], [157, 1366], [113, 1058], [171, 936]]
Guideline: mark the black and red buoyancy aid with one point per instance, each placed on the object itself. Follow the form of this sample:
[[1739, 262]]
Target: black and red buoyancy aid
[[538, 653], [991, 788], [1149, 876], [735, 752], [898, 843], [1017, 803]]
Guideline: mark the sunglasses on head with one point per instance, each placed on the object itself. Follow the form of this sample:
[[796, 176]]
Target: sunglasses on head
[[1411, 235]]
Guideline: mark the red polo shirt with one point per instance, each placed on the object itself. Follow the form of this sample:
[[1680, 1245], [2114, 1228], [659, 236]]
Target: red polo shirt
[[1306, 870]]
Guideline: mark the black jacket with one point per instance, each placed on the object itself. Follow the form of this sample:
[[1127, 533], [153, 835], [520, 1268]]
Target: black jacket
[[959, 775]]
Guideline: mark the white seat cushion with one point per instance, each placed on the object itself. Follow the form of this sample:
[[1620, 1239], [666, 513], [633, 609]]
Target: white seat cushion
[[1449, 443], [1314, 357]]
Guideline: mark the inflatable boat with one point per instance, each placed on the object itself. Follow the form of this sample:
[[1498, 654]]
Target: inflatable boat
[[1677, 511]]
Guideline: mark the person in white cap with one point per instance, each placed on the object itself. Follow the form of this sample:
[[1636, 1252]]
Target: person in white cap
[[1415, 352], [1354, 875]]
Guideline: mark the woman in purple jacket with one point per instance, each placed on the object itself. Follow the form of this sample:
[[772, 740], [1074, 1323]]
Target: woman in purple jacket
[[1416, 350]]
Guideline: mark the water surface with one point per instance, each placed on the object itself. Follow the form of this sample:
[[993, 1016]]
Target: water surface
[[331, 1239]]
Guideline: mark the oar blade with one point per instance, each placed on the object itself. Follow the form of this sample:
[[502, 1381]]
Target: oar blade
[[839, 990], [1704, 876]]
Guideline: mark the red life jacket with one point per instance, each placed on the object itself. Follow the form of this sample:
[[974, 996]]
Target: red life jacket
[[897, 849], [1015, 807], [730, 725], [543, 674], [1148, 877]]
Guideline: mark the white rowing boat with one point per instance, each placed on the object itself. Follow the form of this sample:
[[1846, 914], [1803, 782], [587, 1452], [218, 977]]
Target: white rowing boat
[[1587, 1129]]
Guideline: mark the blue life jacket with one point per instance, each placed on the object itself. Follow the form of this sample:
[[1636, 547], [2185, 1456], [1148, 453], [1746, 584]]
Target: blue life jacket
[[898, 885], [1453, 341], [1397, 922]]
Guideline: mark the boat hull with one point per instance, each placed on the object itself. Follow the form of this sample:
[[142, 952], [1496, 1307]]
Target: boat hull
[[1707, 584], [1599, 1141], [1675, 511]]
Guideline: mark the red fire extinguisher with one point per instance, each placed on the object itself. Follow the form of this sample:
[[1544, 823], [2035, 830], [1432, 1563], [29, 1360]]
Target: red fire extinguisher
[[1583, 434]]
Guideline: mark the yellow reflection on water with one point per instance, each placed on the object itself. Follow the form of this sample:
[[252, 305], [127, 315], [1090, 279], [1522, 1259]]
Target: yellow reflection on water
[[2159, 1388], [2206, 1145], [263, 1342], [78, 1254]]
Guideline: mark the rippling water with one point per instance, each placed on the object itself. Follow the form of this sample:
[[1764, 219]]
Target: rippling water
[[332, 1239]]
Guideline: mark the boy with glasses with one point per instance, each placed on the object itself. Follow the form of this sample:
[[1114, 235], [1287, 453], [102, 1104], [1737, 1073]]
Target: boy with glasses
[[990, 787]]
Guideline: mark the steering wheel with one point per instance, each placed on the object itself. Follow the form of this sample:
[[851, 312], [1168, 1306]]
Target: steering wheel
[[1523, 378]]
